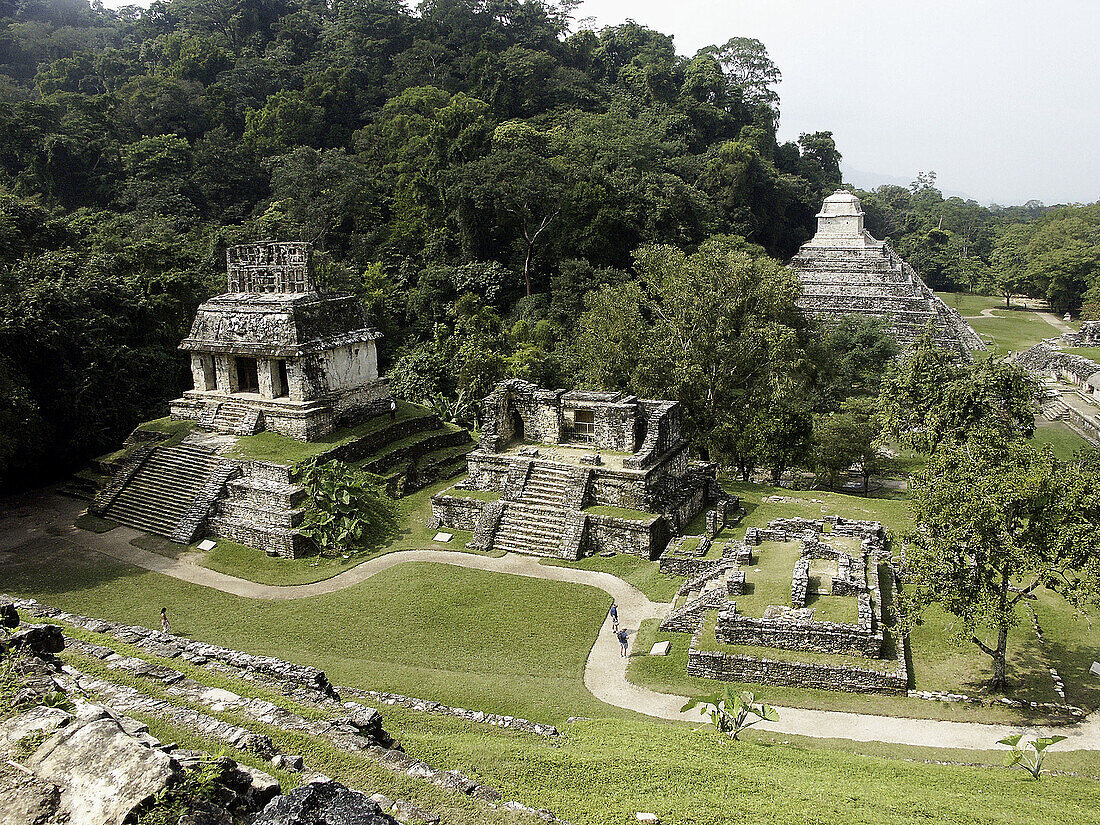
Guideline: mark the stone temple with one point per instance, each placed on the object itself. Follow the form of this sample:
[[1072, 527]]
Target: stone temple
[[569, 474], [845, 271], [274, 353]]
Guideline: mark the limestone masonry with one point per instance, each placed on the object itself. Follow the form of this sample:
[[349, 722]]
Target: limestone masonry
[[845, 271], [547, 455], [275, 353]]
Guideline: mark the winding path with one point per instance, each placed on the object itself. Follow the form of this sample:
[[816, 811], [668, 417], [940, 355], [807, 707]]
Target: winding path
[[49, 519]]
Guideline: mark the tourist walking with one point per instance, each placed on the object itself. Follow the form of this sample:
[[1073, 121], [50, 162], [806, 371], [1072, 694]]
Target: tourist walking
[[393, 410], [623, 641], [165, 626], [614, 613]]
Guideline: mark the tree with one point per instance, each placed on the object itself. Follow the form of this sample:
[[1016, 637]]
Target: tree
[[929, 397], [347, 509], [716, 330], [995, 521]]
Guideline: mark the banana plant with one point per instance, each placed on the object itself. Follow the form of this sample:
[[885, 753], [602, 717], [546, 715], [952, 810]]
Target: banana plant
[[1028, 757], [730, 714]]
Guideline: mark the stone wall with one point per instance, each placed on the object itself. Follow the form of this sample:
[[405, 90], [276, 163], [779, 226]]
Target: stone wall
[[729, 667], [457, 513], [619, 535], [816, 636]]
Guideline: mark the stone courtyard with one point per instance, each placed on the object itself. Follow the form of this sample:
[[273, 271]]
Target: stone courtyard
[[829, 634]]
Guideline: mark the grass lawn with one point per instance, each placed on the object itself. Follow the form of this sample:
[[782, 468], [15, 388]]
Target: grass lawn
[[496, 642], [268, 446], [1013, 330], [600, 772], [1092, 353], [815, 504], [643, 574], [768, 581], [968, 304], [1064, 441]]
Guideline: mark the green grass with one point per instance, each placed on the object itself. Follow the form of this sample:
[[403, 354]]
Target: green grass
[[249, 563], [1013, 330], [642, 573], [619, 512], [500, 643], [1064, 441], [602, 771], [969, 304], [768, 582], [1092, 353], [280, 449]]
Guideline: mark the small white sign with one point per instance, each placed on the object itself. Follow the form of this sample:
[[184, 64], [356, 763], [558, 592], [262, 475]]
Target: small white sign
[[660, 649], [444, 537], [206, 545], [1095, 669], [648, 818]]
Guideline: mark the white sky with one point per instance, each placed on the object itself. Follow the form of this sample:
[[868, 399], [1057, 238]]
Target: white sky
[[1001, 98]]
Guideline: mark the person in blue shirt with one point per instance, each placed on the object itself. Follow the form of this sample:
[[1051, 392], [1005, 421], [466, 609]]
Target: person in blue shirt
[[623, 641], [614, 612]]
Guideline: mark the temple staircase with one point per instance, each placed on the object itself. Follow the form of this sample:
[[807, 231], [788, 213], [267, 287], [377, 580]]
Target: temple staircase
[[535, 521], [168, 491], [223, 417]]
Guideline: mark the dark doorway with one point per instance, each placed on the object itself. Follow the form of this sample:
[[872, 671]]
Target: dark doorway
[[517, 427], [284, 385], [248, 377]]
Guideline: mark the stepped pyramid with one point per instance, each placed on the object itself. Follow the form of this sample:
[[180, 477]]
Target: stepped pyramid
[[845, 271]]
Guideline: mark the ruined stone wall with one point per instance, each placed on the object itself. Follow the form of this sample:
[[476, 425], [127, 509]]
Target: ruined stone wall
[[618, 535], [729, 667], [457, 513], [817, 636]]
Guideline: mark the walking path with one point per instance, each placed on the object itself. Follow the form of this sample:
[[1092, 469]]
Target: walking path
[[605, 670]]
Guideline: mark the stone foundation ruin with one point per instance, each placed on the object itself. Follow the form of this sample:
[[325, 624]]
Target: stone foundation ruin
[[708, 599], [550, 454], [845, 271]]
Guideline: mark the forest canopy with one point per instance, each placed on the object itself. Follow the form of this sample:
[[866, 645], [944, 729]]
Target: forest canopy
[[478, 172]]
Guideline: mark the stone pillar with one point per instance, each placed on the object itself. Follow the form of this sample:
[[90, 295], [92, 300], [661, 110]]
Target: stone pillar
[[264, 369], [198, 373], [294, 377], [225, 367], [712, 523]]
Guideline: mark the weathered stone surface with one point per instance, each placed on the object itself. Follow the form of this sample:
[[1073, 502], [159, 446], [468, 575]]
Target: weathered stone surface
[[103, 772], [37, 720], [38, 639], [323, 803], [9, 616], [28, 800]]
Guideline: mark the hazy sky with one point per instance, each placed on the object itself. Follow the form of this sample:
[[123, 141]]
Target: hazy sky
[[1001, 98]]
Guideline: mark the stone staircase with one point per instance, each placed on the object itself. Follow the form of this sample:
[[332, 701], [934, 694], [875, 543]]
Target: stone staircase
[[878, 283], [222, 417], [1054, 410], [535, 520], [161, 492]]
